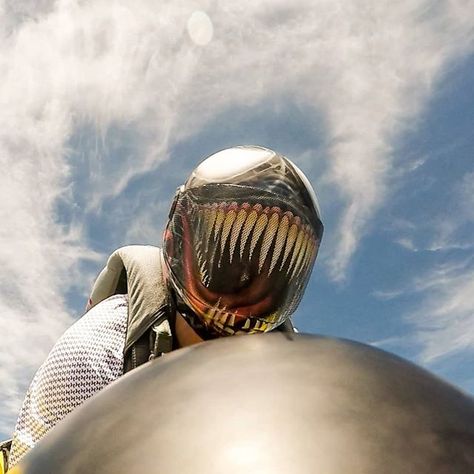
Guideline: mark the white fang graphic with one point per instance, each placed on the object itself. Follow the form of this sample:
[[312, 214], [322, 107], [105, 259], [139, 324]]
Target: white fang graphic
[[280, 241], [270, 233], [249, 223], [299, 261], [228, 222], [239, 222], [292, 234], [296, 250], [259, 228], [210, 219]]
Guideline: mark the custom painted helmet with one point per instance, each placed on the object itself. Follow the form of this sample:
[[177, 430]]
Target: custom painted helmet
[[241, 241]]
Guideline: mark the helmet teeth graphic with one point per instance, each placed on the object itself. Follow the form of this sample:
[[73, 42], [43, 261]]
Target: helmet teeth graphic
[[268, 238], [259, 228], [210, 219], [220, 217], [224, 316], [227, 227], [296, 250], [292, 234], [281, 235], [308, 254], [272, 318], [249, 224], [239, 222], [242, 236], [280, 241], [211, 314], [203, 273], [302, 253]]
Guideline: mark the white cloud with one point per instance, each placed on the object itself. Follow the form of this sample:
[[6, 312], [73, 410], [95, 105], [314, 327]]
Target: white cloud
[[367, 67], [406, 243], [450, 230], [391, 342], [396, 64], [387, 295], [445, 318], [145, 230], [448, 227]]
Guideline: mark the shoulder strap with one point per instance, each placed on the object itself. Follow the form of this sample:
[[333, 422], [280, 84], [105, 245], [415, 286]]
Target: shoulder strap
[[137, 270], [142, 267], [5, 447]]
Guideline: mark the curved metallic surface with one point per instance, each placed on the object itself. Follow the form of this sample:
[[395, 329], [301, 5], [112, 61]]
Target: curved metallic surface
[[317, 405], [250, 164]]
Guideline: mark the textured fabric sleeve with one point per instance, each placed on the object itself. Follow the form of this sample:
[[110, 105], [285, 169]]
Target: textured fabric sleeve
[[87, 358]]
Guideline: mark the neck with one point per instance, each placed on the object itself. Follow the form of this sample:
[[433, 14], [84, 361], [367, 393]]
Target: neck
[[185, 334]]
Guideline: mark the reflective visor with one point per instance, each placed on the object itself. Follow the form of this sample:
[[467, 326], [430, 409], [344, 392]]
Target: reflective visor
[[240, 257]]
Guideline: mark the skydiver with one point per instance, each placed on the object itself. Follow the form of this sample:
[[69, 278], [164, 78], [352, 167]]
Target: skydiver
[[239, 246]]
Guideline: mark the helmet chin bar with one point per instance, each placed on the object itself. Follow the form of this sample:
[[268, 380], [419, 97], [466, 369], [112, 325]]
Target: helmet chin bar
[[192, 318], [240, 243], [201, 330]]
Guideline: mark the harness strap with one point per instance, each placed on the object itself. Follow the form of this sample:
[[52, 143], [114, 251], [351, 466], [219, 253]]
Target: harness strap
[[5, 447], [137, 271], [163, 339]]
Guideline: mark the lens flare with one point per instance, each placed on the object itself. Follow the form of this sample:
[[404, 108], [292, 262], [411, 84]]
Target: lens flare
[[200, 28]]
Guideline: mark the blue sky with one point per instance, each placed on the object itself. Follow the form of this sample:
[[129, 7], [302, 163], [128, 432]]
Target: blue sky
[[107, 108]]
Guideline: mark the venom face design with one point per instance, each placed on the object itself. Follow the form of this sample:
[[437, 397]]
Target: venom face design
[[241, 265]]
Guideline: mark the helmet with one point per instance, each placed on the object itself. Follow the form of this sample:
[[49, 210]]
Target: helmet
[[241, 240]]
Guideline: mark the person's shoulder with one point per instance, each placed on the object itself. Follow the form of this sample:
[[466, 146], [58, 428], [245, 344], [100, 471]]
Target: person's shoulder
[[113, 302], [113, 305], [109, 314]]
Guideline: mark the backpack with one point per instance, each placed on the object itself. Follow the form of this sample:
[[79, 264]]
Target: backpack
[[137, 271]]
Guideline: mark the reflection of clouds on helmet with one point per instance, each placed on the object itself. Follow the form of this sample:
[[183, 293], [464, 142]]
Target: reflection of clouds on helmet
[[258, 166], [240, 244]]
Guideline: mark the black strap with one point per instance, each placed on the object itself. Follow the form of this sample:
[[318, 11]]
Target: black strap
[[5, 447], [153, 343], [138, 354]]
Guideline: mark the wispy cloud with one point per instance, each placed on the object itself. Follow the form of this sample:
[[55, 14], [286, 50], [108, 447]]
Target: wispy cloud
[[387, 295], [441, 318], [367, 68], [448, 226], [443, 312], [445, 318], [391, 342], [374, 104], [456, 222], [406, 243]]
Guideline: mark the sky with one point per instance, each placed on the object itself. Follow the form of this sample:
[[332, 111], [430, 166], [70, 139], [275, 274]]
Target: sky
[[107, 106]]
